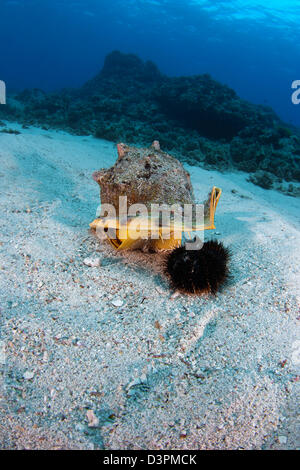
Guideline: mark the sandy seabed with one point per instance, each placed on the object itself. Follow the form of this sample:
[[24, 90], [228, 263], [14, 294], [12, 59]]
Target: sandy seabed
[[108, 357]]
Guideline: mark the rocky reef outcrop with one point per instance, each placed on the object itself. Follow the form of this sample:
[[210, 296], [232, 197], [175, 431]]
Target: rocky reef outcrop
[[197, 119]]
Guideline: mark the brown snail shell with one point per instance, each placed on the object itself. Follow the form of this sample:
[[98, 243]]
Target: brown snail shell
[[146, 176]]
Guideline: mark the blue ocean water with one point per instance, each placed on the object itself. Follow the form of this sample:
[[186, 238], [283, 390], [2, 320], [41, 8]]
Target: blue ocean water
[[253, 46]]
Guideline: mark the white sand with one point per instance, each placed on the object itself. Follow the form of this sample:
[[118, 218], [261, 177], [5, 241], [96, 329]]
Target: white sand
[[160, 371]]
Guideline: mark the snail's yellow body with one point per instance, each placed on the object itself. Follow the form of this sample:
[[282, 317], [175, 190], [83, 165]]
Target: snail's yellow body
[[137, 231]]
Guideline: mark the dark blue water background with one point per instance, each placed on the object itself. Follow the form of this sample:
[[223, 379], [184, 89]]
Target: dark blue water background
[[253, 46]]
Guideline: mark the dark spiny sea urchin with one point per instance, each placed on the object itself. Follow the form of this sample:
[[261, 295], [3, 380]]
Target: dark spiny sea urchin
[[199, 271]]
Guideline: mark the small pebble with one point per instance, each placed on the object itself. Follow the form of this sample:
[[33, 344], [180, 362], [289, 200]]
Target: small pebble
[[79, 427], [175, 295], [117, 302], [45, 357], [93, 421], [156, 145], [92, 262], [143, 378], [28, 375], [282, 439]]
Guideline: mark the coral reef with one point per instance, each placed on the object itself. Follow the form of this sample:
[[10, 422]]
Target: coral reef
[[197, 119]]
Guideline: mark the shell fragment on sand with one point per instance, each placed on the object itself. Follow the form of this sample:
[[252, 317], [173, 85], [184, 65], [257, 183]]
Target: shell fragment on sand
[[92, 261], [93, 421]]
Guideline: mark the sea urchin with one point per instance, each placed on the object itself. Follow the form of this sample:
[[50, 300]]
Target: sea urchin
[[199, 271]]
